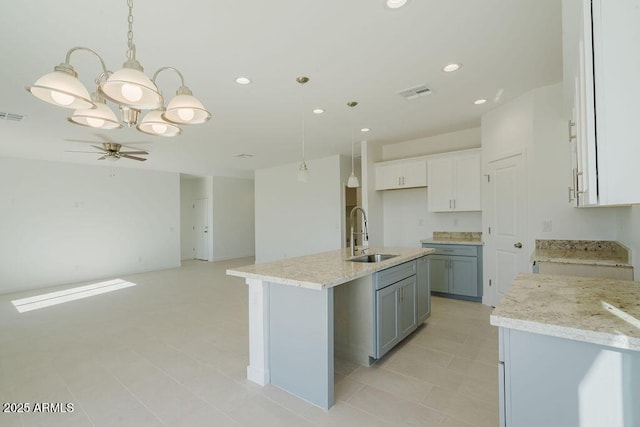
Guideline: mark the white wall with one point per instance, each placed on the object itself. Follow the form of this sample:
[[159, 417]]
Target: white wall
[[407, 220], [294, 218], [405, 212], [187, 235], [372, 200], [230, 207], [549, 166], [452, 141], [64, 223], [534, 124], [629, 235], [233, 223]]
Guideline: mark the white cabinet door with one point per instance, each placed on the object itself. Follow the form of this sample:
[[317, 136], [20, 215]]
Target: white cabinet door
[[440, 189], [605, 89], [616, 67], [401, 174], [414, 174], [454, 182], [387, 177], [467, 183]]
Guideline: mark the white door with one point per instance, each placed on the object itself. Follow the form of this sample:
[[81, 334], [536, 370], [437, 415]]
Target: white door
[[506, 252], [201, 229]]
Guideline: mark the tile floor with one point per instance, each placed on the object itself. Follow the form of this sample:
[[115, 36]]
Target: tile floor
[[172, 351]]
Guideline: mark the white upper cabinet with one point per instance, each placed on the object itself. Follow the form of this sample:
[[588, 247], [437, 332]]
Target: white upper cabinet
[[397, 174], [602, 86], [454, 182]]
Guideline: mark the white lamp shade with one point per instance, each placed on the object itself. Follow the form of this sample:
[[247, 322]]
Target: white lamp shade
[[187, 110], [61, 89], [132, 88], [353, 182], [153, 124], [101, 117]]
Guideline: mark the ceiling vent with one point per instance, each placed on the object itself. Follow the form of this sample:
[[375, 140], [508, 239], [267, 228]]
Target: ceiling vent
[[414, 92], [11, 116]]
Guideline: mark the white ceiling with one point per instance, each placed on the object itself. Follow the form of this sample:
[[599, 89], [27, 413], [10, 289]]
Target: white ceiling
[[350, 49]]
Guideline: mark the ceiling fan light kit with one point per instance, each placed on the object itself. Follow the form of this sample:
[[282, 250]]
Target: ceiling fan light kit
[[129, 88]]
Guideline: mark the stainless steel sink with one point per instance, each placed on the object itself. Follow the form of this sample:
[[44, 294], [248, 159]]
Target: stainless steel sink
[[372, 258]]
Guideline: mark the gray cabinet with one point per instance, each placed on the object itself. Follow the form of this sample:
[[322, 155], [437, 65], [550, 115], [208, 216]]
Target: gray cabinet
[[551, 381], [395, 314], [423, 291], [456, 270], [402, 302]]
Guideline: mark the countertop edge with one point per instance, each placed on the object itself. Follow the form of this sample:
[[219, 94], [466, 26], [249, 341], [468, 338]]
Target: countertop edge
[[622, 342], [453, 242], [372, 268], [603, 263]]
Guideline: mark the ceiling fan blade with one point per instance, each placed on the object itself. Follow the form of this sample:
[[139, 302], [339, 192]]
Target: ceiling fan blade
[[102, 158], [133, 152], [99, 148], [140, 159]]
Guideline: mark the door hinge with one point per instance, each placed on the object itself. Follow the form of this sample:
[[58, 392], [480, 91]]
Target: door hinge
[[194, 228], [488, 177], [194, 206], [489, 230], [489, 282]]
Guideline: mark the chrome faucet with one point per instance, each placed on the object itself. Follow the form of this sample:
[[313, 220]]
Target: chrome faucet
[[363, 232]]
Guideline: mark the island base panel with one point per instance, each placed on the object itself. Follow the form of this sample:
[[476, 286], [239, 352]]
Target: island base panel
[[301, 342]]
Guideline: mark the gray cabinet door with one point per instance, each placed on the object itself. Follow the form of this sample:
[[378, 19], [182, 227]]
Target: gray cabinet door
[[387, 318], [423, 293], [463, 275], [439, 273], [408, 314]]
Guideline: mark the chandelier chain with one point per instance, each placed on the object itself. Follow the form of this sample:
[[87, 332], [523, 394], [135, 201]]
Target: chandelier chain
[[130, 32]]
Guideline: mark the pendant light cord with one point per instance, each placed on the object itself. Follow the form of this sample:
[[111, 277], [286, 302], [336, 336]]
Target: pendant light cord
[[303, 130]]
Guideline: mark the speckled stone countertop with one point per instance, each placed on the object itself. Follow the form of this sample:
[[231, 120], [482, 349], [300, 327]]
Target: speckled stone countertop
[[326, 269], [592, 252], [592, 310], [455, 238]]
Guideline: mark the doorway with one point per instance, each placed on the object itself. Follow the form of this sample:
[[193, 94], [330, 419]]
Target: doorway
[[505, 210], [201, 229]]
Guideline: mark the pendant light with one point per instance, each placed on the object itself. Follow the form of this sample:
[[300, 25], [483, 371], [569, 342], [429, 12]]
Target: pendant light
[[129, 88], [303, 171], [352, 182]]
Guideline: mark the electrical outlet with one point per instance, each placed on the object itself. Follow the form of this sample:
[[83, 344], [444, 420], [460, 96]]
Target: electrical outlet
[[546, 226]]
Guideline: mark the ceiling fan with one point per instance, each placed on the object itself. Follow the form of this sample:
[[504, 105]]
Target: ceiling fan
[[112, 151]]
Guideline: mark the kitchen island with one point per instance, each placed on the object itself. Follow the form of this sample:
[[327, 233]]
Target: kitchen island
[[291, 316], [569, 352]]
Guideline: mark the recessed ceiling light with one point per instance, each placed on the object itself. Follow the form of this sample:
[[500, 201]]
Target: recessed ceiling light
[[318, 111], [479, 101], [395, 4], [365, 130], [244, 156], [243, 80], [449, 68]]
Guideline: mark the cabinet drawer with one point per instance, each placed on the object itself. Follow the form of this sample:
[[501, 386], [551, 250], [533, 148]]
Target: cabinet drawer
[[459, 250], [392, 275]]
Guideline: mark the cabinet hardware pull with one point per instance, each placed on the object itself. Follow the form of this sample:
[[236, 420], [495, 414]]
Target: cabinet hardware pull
[[572, 126]]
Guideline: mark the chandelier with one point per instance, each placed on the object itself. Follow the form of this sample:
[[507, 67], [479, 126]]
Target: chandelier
[[129, 88]]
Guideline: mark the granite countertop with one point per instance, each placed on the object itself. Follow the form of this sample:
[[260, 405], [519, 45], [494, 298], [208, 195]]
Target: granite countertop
[[592, 310], [455, 238], [326, 269], [592, 252]]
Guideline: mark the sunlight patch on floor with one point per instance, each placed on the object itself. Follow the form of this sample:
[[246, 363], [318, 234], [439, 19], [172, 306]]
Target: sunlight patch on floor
[[59, 297]]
